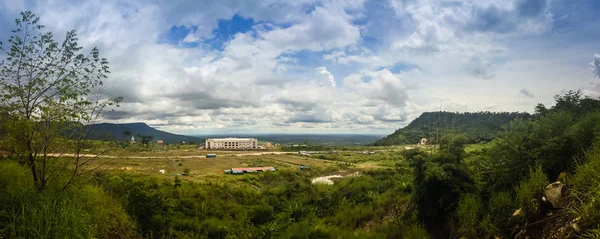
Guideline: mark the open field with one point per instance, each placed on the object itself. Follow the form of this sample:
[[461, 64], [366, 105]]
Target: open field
[[199, 167], [174, 160]]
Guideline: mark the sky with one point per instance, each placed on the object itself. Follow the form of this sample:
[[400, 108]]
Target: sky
[[326, 66]]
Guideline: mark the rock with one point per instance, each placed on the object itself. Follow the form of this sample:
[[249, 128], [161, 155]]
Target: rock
[[555, 193]]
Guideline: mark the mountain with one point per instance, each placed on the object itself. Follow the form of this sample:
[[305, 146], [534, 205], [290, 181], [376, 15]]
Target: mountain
[[477, 127], [107, 131]]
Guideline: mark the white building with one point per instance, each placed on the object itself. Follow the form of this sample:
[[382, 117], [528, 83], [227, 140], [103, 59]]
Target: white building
[[231, 143]]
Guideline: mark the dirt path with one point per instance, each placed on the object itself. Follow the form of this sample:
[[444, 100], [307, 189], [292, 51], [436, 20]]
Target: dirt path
[[160, 157], [327, 179]]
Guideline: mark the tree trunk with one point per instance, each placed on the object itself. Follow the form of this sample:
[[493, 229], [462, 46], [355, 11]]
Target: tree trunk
[[36, 179]]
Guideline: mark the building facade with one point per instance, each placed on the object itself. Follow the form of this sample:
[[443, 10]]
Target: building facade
[[231, 143]]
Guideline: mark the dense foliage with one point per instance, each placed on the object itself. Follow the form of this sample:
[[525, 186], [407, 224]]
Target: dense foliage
[[477, 127], [281, 204], [514, 169]]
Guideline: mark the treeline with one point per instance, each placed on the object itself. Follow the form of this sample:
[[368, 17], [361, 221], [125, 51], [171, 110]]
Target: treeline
[[477, 127]]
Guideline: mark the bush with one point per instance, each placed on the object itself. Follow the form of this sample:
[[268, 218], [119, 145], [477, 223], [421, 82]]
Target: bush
[[530, 191], [87, 212], [468, 215], [501, 207], [585, 184], [108, 216]]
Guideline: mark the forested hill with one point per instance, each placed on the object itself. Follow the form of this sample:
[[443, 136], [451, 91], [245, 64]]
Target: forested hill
[[477, 127], [107, 131]]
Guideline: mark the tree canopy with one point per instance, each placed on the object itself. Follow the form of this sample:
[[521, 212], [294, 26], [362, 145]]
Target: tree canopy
[[476, 127]]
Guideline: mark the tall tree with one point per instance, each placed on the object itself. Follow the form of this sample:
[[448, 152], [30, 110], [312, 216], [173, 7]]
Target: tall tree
[[49, 92], [146, 139]]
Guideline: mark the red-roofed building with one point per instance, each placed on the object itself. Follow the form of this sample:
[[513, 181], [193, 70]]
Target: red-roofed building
[[250, 170]]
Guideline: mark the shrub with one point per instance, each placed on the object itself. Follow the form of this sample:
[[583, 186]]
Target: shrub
[[585, 184], [501, 207], [531, 190], [86, 212], [468, 215], [108, 216]]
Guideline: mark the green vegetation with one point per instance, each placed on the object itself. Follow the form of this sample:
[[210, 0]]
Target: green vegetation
[[84, 211], [281, 204], [477, 127]]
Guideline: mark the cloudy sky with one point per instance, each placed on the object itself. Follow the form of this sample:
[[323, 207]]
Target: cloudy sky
[[327, 66]]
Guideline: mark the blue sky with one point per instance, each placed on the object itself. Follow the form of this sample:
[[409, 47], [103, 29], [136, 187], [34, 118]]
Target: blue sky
[[327, 66]]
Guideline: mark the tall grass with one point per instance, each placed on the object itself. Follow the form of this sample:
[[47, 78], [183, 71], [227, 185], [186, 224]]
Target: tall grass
[[468, 215], [80, 212], [531, 190], [585, 189]]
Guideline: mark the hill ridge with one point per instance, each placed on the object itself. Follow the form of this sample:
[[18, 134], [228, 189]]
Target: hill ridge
[[478, 127], [113, 131]]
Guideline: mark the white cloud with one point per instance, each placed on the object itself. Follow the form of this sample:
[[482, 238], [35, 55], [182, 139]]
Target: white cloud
[[380, 86], [322, 71], [595, 64], [323, 29]]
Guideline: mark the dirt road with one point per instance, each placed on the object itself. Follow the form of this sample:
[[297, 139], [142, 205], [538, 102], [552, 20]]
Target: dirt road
[[159, 157]]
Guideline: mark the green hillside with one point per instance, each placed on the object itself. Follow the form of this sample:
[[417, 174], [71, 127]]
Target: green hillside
[[477, 127], [107, 131]]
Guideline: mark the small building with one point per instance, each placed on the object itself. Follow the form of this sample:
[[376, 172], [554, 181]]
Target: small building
[[249, 170], [231, 143], [211, 156]]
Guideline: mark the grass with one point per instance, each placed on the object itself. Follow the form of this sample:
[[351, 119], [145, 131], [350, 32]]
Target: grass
[[84, 212], [532, 189], [585, 186], [199, 168]]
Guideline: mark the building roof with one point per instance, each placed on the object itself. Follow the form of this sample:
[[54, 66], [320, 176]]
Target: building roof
[[232, 139], [253, 169]]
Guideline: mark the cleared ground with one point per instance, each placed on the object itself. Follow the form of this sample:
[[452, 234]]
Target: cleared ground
[[201, 167], [177, 160]]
